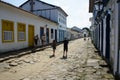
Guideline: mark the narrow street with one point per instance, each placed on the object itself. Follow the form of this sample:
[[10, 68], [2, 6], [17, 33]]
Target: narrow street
[[83, 63]]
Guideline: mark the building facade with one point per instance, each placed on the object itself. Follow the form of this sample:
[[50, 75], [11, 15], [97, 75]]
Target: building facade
[[73, 34], [18, 28], [107, 31], [51, 12]]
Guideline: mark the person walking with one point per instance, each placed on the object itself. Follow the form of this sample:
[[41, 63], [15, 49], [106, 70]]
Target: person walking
[[54, 48], [65, 48], [84, 37], [36, 39], [43, 39]]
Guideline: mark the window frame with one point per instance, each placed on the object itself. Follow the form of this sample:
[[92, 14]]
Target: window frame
[[7, 26], [21, 28]]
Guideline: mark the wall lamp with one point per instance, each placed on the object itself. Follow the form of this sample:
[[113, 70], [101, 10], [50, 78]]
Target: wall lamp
[[98, 4], [46, 25]]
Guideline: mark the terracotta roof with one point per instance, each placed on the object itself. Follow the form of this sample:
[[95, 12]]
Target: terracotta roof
[[91, 5]]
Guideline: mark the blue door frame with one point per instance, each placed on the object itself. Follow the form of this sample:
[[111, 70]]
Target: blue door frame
[[41, 32], [47, 35], [56, 35]]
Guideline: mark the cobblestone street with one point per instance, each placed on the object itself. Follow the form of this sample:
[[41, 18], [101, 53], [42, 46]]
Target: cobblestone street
[[83, 63]]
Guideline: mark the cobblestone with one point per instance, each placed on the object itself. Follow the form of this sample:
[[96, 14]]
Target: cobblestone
[[83, 63]]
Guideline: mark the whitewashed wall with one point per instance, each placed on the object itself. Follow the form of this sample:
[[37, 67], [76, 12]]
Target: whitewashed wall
[[112, 27], [104, 37], [16, 15], [114, 34], [62, 20], [100, 36], [116, 37], [53, 14]]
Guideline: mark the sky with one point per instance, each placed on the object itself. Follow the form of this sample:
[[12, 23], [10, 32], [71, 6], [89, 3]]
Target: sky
[[77, 10]]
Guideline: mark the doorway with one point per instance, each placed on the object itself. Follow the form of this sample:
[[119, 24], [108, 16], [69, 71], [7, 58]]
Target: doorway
[[108, 37], [56, 35], [30, 35], [41, 32], [47, 35]]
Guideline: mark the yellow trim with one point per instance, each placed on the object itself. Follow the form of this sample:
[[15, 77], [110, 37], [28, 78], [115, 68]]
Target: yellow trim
[[7, 26], [21, 27], [30, 35]]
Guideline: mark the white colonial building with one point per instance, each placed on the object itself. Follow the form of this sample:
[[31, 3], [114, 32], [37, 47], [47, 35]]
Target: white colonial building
[[18, 28], [50, 12], [107, 31]]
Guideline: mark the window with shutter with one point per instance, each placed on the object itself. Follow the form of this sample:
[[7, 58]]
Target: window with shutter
[[7, 31], [21, 32]]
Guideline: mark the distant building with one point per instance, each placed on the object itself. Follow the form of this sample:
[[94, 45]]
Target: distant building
[[74, 33], [50, 12], [78, 30], [86, 32]]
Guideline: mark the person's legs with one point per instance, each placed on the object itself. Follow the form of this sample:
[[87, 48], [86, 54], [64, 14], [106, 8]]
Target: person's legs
[[35, 46], [66, 51], [63, 52], [53, 52]]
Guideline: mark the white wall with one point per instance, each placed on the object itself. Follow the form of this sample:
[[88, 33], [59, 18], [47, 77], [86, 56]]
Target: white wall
[[16, 15], [116, 38], [114, 34], [104, 38], [53, 14], [0, 33], [62, 20]]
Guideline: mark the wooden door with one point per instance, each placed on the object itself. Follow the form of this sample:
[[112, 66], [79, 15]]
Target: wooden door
[[30, 35]]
